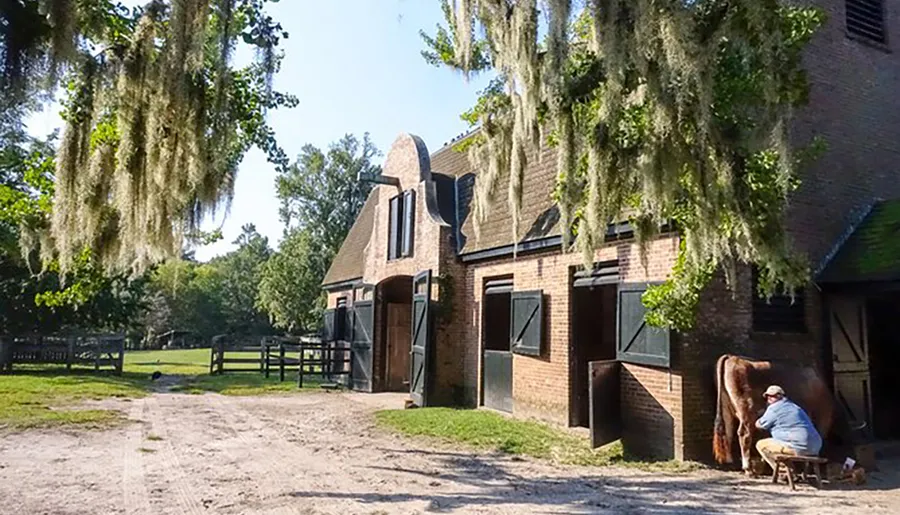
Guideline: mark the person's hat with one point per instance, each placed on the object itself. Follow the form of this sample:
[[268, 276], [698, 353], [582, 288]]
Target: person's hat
[[773, 390]]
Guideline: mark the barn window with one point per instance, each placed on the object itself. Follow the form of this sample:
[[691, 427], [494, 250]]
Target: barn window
[[408, 223], [865, 20], [401, 225], [340, 320], [394, 223], [779, 313]]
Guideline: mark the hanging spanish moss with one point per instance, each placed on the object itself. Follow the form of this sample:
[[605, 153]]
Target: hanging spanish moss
[[662, 111], [156, 119]]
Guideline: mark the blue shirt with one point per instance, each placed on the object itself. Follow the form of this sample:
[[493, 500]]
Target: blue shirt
[[789, 424]]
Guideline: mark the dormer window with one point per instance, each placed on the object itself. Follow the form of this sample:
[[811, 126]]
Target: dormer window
[[401, 225]]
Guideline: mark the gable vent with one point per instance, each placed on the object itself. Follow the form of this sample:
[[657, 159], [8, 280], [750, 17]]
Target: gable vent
[[865, 20]]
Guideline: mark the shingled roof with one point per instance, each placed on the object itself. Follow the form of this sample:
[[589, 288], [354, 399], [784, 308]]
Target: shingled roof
[[348, 263], [539, 217], [871, 252]]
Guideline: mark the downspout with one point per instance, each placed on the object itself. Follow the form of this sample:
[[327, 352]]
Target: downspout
[[457, 229]]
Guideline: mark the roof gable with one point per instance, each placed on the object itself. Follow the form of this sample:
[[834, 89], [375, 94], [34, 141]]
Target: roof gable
[[872, 251], [539, 216], [349, 262]]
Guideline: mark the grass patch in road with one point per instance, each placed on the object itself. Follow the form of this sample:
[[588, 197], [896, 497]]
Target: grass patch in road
[[170, 362], [486, 430], [154, 438], [39, 399], [146, 450], [244, 383], [43, 396]]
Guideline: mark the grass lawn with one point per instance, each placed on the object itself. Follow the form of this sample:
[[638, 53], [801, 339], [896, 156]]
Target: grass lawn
[[486, 430], [45, 396]]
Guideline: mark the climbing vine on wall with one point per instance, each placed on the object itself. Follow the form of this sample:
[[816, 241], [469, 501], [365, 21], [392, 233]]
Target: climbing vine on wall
[[444, 305]]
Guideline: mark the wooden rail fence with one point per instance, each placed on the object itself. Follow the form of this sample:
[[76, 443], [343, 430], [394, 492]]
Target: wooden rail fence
[[307, 356], [222, 355], [99, 351], [300, 355]]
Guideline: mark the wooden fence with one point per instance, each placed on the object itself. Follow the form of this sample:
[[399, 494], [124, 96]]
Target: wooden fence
[[99, 351], [307, 356], [228, 351]]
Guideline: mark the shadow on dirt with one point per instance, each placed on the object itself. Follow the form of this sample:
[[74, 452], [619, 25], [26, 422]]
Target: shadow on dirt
[[448, 486]]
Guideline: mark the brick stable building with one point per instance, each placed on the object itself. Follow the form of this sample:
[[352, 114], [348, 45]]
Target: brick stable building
[[462, 320]]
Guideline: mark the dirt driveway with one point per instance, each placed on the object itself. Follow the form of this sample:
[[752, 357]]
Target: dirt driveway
[[320, 453]]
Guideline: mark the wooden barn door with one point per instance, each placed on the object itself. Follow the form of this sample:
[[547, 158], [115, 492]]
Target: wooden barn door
[[361, 344], [420, 355], [605, 401], [850, 356]]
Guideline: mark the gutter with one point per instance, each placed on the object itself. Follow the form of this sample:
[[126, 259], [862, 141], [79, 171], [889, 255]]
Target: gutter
[[618, 231]]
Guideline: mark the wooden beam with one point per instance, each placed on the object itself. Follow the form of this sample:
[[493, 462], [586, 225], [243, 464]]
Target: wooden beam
[[378, 179]]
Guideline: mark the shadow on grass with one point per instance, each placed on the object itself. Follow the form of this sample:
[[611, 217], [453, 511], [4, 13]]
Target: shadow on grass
[[481, 429]]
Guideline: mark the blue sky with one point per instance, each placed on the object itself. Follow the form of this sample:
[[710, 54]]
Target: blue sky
[[355, 67]]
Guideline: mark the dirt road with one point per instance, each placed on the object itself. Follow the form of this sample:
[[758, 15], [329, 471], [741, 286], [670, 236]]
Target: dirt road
[[319, 453]]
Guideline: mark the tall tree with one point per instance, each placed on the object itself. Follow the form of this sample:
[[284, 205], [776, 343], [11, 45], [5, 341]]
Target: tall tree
[[240, 273], [290, 290], [320, 197], [320, 191], [157, 117], [660, 110], [32, 301]]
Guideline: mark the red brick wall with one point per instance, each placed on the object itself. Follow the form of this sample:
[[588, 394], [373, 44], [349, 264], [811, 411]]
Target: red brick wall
[[853, 107], [651, 411], [541, 384], [724, 325], [333, 297]]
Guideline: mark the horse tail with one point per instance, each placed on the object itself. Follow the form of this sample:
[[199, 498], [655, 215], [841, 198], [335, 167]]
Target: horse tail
[[720, 439]]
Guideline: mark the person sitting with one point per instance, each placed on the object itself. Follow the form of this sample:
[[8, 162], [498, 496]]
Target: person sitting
[[793, 433]]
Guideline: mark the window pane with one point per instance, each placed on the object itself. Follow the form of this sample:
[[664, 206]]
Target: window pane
[[409, 210]]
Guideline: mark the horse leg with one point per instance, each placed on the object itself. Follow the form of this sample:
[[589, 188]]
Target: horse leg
[[745, 438]]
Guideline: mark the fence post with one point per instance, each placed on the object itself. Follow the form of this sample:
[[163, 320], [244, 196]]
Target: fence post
[[212, 356], [120, 363], [3, 350], [220, 356], [281, 361], [70, 352], [268, 359], [262, 355], [300, 368]]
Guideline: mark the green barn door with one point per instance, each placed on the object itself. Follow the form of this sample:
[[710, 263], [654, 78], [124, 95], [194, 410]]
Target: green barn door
[[361, 343], [420, 353]]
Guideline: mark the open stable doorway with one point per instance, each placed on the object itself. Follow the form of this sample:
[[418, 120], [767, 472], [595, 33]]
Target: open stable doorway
[[497, 359], [884, 354], [592, 333], [396, 311]]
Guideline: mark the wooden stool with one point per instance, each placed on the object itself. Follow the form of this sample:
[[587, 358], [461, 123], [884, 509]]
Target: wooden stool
[[812, 468]]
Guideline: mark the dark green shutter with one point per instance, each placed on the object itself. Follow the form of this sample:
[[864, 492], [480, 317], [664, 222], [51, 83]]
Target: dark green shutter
[[638, 342], [526, 322], [328, 326]]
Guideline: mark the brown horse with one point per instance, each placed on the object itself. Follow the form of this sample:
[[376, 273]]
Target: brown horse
[[740, 384]]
